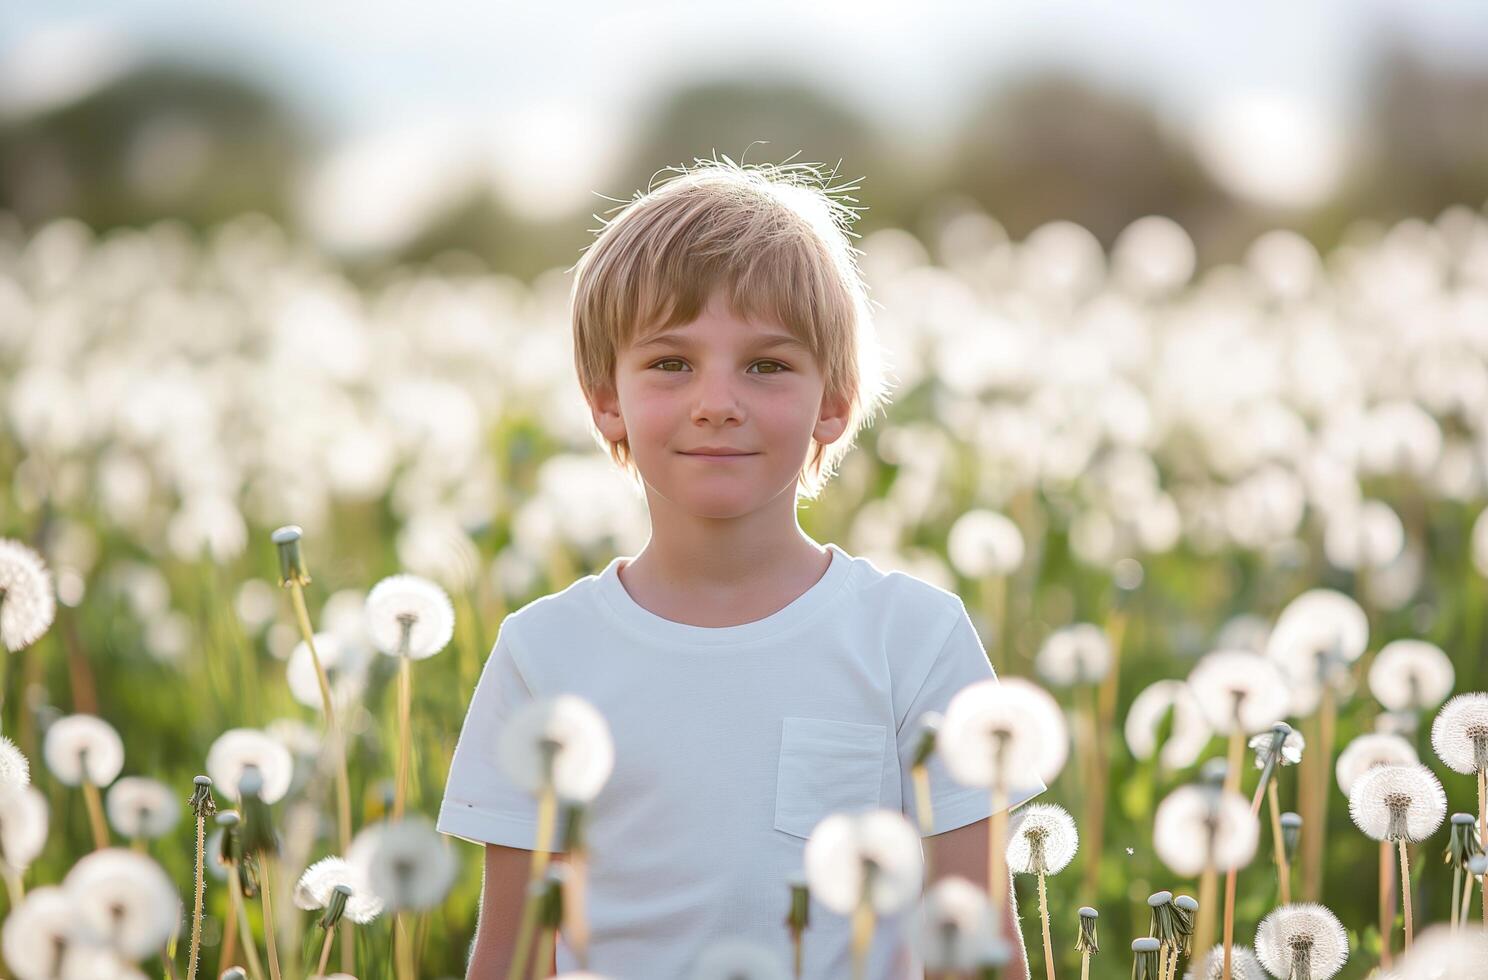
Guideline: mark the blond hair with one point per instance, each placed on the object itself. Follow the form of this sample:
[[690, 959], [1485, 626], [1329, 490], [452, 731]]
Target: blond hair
[[776, 239]]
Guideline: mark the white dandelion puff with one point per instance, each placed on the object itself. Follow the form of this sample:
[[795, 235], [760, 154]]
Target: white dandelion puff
[[138, 806], [1459, 734], [37, 932], [406, 863], [1319, 626], [345, 666], [1075, 654], [28, 603], [23, 825], [1243, 965], [123, 900], [79, 747], [1411, 675], [984, 542], [1196, 826], [876, 850], [1190, 731], [15, 768], [313, 890], [411, 605], [1398, 803], [1442, 953], [957, 927], [564, 739], [1042, 839], [738, 959], [1304, 941], [1238, 687], [238, 748], [1012, 729], [1371, 749], [1291, 748]]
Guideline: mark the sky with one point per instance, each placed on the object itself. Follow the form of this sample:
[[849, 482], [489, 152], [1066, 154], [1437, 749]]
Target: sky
[[551, 89]]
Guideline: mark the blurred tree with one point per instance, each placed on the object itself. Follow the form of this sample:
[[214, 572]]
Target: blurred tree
[[162, 141]]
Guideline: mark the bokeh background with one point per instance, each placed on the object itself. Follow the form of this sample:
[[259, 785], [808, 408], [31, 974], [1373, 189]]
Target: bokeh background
[[288, 262]]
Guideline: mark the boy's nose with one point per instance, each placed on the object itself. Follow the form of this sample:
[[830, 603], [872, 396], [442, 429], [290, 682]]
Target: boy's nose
[[716, 401]]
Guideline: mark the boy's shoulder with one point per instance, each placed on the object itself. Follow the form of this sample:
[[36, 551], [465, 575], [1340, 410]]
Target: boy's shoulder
[[901, 591]]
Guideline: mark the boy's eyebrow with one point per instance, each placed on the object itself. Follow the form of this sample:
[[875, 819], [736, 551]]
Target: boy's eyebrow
[[766, 340]]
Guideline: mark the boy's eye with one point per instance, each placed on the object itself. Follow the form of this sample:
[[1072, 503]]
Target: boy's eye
[[779, 367]]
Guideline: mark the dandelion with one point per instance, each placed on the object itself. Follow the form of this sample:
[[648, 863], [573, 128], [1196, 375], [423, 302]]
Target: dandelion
[[956, 925], [1459, 734], [141, 808], [1008, 736], [987, 547], [23, 833], [410, 618], [123, 900], [409, 867], [1411, 675], [1371, 749], [1282, 746], [203, 806], [1243, 965], [864, 864], [1075, 654], [1239, 693], [38, 933], [737, 959], [258, 840], [1164, 928], [1087, 943], [555, 748], [27, 600], [1043, 842], [1146, 963], [1441, 954], [799, 916], [1190, 732], [1462, 846], [1401, 804], [237, 749], [85, 750], [345, 666], [15, 768], [1199, 831], [342, 889], [1304, 941]]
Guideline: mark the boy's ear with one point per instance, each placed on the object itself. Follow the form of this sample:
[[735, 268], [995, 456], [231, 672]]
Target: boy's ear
[[833, 419], [604, 407]]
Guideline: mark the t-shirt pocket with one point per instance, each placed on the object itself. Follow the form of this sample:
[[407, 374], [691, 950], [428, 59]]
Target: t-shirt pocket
[[826, 767]]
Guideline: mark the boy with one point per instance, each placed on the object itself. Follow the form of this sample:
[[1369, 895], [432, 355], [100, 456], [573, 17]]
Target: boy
[[754, 682]]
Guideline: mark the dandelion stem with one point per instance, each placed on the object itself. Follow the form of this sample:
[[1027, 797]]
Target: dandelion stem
[[1044, 914], [544, 956], [1229, 924], [1085, 965], [1405, 894], [1456, 894], [1312, 872], [268, 918], [1386, 904], [920, 775], [546, 807], [1278, 847], [405, 702], [201, 888], [1105, 713], [250, 948], [325, 952], [1466, 905], [17, 890], [1208, 885], [95, 814], [862, 935]]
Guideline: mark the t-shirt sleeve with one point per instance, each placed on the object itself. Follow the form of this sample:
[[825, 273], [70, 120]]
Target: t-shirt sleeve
[[481, 804], [945, 669]]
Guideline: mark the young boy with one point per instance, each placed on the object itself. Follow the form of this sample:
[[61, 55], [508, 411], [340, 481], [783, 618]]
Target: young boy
[[754, 682]]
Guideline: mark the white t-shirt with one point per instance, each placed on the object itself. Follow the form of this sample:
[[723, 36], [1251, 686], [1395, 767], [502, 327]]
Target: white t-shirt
[[731, 743]]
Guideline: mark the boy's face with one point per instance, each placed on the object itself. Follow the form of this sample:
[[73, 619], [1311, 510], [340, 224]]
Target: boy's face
[[719, 382]]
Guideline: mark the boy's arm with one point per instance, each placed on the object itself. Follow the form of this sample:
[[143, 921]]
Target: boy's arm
[[503, 890], [963, 852]]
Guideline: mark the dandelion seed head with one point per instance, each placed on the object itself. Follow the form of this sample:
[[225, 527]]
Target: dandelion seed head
[[1411, 675], [1195, 825], [15, 768], [1042, 837], [346, 668], [1243, 965], [842, 844], [421, 604], [1319, 622], [983, 542], [1238, 686], [565, 738], [738, 959], [1371, 749], [1190, 731], [236, 749], [956, 924], [1440, 954], [1459, 733], [23, 825], [1075, 654], [123, 900], [138, 806], [83, 746], [28, 602], [33, 930], [313, 890], [406, 863], [1291, 747], [1012, 720], [1287, 930], [1398, 803]]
